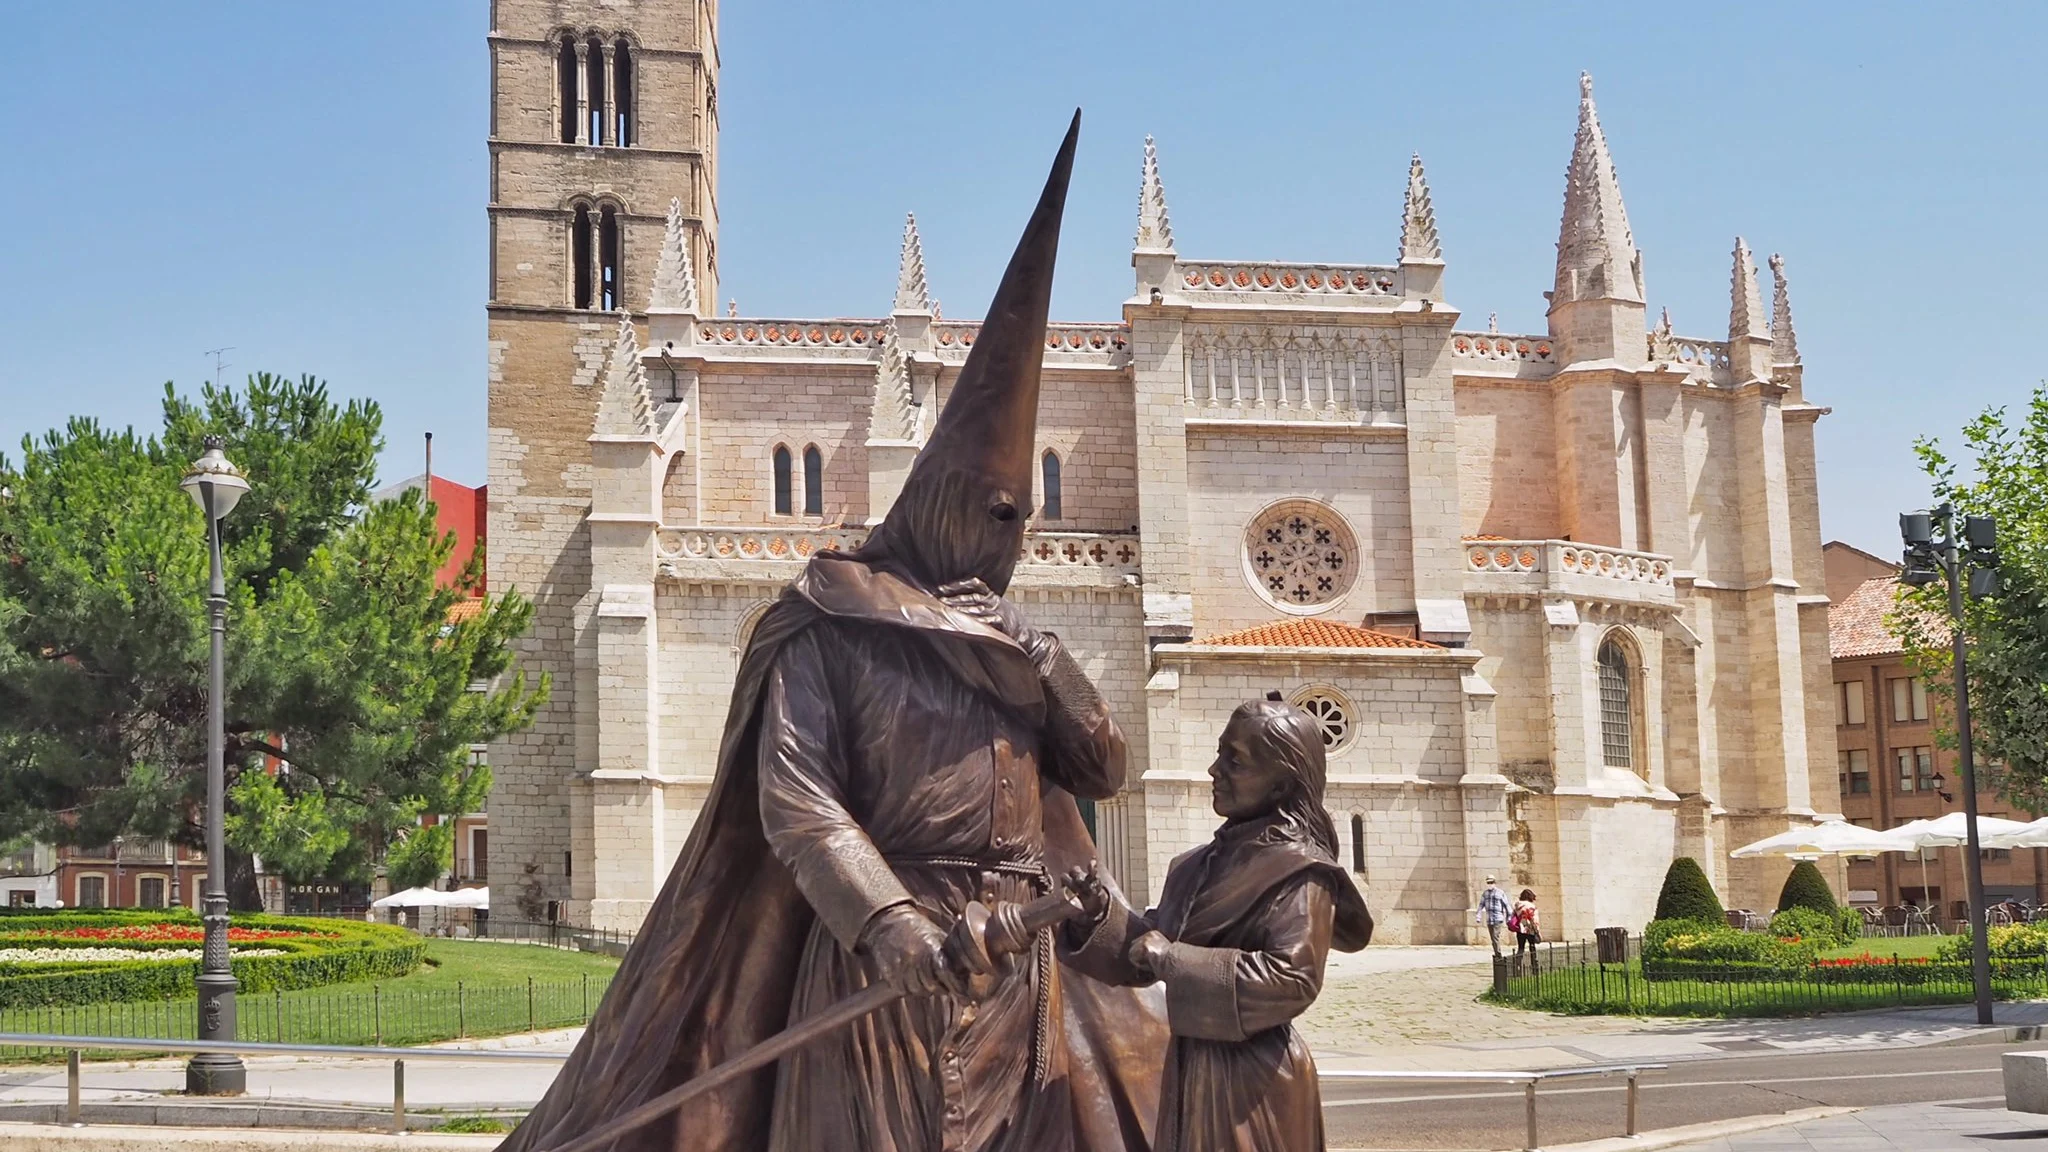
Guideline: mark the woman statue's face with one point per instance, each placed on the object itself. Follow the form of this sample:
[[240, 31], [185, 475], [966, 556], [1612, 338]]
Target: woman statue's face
[[1244, 784]]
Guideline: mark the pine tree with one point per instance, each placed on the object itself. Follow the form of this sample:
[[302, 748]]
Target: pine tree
[[1807, 888], [341, 659], [1686, 895]]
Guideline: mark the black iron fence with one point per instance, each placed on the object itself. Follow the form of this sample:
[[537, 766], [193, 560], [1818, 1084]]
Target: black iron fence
[[1612, 977], [352, 1014]]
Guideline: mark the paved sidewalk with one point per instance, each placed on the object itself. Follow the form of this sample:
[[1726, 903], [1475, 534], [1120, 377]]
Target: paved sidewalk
[[1967, 1127]]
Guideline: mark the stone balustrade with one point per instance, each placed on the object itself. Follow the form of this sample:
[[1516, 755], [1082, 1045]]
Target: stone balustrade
[[738, 333], [1497, 346], [735, 552], [1563, 566], [1290, 279]]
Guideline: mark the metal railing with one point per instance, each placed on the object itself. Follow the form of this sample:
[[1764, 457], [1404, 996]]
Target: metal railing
[[73, 1045], [1528, 1080]]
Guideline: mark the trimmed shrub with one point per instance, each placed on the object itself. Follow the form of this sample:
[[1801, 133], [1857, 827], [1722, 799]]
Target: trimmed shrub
[[1823, 928], [338, 951], [2008, 942], [1849, 924], [1686, 895], [1806, 888]]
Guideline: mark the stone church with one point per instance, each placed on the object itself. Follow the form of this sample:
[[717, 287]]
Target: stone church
[[1556, 598]]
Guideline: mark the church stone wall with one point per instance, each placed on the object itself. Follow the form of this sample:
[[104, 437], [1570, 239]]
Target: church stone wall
[[1235, 474], [746, 412], [1507, 461]]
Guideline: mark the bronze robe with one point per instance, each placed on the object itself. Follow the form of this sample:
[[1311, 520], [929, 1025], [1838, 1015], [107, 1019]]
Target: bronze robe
[[1252, 916], [731, 946]]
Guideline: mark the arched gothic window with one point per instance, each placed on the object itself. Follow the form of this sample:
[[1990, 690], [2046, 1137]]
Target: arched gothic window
[[814, 481], [594, 257], [1617, 730], [622, 93], [1357, 843], [568, 72], [1049, 508], [782, 481]]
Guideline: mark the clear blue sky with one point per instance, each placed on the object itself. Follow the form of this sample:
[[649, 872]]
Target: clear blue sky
[[305, 182]]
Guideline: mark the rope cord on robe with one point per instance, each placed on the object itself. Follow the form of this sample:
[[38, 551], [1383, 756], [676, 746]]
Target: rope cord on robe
[[981, 934]]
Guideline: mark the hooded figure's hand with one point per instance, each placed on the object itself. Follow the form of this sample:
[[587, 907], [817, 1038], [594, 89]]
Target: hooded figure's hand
[[909, 952], [976, 599]]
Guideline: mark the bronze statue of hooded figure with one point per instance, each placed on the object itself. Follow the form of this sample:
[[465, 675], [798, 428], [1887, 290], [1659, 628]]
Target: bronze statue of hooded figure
[[900, 743]]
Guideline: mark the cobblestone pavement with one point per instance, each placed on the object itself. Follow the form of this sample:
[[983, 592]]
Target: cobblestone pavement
[[1408, 1017]]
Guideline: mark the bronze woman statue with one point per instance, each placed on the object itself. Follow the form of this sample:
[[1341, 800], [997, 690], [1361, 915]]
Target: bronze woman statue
[[901, 742], [1239, 938]]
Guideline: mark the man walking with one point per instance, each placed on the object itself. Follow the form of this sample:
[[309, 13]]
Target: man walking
[[1493, 912]]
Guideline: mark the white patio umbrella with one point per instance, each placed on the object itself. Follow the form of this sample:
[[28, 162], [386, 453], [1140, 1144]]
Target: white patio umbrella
[[414, 898], [2034, 835], [1828, 838], [1952, 831], [469, 898]]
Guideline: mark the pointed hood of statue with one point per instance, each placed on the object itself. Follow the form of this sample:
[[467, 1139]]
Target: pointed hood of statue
[[962, 509]]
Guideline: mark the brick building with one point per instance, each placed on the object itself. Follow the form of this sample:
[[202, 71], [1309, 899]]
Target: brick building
[[1557, 597], [1891, 769]]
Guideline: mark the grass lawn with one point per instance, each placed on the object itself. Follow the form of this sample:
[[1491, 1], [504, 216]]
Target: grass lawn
[[467, 988], [1885, 947]]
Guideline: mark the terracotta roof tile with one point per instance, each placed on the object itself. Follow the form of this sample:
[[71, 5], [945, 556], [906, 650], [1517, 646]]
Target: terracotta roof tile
[[1856, 625], [465, 609], [1313, 634]]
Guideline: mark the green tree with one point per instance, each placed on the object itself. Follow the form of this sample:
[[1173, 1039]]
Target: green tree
[[1686, 895], [1805, 887], [2003, 472], [343, 666]]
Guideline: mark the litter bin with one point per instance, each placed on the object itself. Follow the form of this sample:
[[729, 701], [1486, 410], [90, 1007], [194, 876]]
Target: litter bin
[[1613, 944]]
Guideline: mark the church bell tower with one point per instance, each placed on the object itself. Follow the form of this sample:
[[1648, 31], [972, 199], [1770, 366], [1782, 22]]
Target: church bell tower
[[602, 113]]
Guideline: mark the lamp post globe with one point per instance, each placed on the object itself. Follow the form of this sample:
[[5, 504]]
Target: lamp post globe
[[216, 486]]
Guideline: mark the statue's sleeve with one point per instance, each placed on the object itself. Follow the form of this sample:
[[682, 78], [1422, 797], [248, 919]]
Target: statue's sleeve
[[1089, 755], [1230, 993], [1100, 949], [803, 789]]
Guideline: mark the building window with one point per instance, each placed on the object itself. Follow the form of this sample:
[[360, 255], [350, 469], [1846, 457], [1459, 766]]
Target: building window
[[1617, 736], [21, 898], [1300, 555], [1994, 855], [1849, 702], [1333, 713], [92, 891], [1049, 508], [782, 481], [1358, 843], [622, 93], [814, 481], [566, 73], [1916, 769], [1909, 699], [594, 259], [151, 892], [1855, 772]]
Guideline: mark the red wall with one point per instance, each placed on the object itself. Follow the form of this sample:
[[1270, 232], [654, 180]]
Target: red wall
[[461, 510]]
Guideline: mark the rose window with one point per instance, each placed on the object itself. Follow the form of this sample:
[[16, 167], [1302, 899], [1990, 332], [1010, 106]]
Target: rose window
[[1300, 556], [1331, 712]]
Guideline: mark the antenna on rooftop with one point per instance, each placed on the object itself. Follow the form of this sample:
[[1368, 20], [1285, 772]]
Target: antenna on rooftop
[[218, 363]]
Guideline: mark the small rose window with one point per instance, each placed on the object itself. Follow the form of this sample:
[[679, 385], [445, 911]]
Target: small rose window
[[1300, 555], [1332, 711]]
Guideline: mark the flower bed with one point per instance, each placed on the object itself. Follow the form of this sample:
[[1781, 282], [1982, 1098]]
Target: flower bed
[[95, 956]]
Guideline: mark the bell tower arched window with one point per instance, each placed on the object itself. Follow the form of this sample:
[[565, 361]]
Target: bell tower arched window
[[814, 481], [594, 75], [1049, 507], [568, 74], [782, 481], [594, 257], [1617, 716], [622, 92]]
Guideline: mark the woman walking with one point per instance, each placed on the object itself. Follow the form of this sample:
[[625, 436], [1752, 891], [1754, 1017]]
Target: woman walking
[[1526, 926]]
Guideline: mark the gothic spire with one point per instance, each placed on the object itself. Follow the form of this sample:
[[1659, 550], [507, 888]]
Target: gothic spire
[[625, 408], [1418, 218], [1596, 252], [1784, 342], [892, 418], [675, 282], [912, 293], [1745, 303], [1155, 228]]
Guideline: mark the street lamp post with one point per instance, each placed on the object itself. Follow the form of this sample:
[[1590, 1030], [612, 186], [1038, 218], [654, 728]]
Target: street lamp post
[[216, 486], [1968, 561]]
